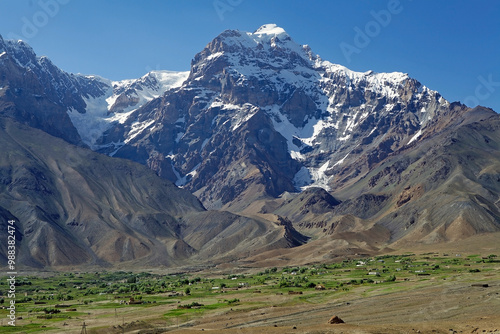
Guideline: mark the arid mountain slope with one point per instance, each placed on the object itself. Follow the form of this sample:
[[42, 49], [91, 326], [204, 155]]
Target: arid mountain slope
[[76, 207], [443, 187]]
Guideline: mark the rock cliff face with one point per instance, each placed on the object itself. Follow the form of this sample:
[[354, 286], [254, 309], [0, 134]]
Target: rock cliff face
[[35, 92], [260, 115]]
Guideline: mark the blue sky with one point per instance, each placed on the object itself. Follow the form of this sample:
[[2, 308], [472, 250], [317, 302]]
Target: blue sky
[[450, 46]]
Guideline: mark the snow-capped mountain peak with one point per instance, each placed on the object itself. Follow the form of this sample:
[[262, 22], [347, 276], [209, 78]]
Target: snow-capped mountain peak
[[274, 36], [243, 51], [268, 35], [270, 29], [118, 102], [255, 99], [129, 94], [315, 105]]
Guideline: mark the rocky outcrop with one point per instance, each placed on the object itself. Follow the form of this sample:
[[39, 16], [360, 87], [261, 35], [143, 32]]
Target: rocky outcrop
[[335, 320]]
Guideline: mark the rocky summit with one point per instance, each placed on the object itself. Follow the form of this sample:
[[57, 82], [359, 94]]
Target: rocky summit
[[264, 128], [259, 115]]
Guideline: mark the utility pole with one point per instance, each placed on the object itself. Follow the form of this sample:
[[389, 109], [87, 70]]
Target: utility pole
[[84, 329]]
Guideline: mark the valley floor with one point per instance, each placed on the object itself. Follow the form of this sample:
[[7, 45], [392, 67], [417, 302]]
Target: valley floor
[[427, 292], [433, 307]]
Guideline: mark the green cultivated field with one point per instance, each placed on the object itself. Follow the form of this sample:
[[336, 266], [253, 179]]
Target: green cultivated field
[[127, 301]]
